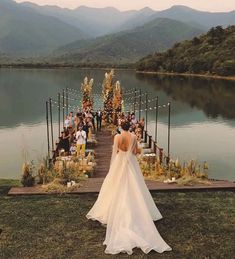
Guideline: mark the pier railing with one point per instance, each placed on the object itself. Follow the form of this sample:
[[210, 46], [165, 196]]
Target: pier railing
[[139, 102]]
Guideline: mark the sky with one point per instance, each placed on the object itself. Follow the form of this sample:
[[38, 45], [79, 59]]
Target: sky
[[205, 5]]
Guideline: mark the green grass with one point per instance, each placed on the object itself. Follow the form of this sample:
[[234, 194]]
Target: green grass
[[195, 225], [5, 185]]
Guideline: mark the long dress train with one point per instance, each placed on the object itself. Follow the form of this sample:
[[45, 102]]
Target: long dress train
[[126, 206]]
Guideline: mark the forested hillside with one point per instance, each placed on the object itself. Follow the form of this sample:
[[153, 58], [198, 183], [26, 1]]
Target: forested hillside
[[211, 53]]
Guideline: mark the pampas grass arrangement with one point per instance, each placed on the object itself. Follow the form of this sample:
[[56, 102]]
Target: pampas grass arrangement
[[189, 173]]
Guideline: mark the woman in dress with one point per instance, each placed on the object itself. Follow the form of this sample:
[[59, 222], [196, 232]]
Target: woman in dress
[[125, 204]]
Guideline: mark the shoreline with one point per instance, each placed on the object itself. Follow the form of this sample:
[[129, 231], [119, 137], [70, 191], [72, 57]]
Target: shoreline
[[57, 66], [126, 67], [230, 78]]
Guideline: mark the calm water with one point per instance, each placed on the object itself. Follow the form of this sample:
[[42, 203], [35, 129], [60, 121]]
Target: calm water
[[203, 115]]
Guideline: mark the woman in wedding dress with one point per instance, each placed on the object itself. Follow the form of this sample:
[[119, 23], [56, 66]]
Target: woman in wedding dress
[[125, 204]]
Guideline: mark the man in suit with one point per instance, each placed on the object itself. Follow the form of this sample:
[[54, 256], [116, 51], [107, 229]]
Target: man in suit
[[99, 115]]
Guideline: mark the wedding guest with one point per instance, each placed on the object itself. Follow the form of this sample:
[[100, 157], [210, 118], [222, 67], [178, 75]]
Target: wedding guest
[[77, 121], [55, 152], [133, 119], [64, 142], [71, 119], [93, 119], [129, 117], [73, 149], [90, 128], [81, 141], [79, 113], [67, 122], [141, 125], [99, 115], [71, 132], [85, 128]]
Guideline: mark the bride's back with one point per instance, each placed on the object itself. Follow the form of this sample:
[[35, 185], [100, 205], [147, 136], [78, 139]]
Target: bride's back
[[124, 141]]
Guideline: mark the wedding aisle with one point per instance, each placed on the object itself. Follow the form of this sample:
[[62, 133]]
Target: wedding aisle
[[103, 152]]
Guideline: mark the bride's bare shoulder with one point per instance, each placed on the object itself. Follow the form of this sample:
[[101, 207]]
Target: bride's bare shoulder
[[116, 137]]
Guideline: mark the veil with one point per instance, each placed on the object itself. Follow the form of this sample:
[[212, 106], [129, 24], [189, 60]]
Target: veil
[[115, 148]]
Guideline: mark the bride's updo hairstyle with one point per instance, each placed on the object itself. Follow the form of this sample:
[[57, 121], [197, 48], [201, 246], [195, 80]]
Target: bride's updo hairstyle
[[125, 125]]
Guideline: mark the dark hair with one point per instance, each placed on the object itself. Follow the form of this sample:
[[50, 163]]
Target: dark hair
[[125, 125]]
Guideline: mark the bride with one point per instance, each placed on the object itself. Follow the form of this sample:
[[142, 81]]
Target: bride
[[125, 204]]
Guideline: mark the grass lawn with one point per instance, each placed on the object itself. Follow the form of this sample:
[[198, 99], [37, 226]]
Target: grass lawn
[[195, 225]]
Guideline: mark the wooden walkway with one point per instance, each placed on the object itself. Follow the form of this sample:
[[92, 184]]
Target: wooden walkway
[[103, 152]]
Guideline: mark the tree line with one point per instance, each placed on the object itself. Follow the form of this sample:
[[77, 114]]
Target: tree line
[[211, 53]]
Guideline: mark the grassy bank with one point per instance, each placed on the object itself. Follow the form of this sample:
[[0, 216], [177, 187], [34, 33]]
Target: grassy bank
[[196, 225]]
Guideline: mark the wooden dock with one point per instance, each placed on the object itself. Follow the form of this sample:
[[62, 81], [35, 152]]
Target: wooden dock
[[103, 152]]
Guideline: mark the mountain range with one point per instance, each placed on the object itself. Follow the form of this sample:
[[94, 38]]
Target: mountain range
[[27, 30], [127, 46], [101, 21], [24, 31]]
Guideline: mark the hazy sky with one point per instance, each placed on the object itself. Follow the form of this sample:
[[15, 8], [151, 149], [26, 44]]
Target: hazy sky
[[207, 5]]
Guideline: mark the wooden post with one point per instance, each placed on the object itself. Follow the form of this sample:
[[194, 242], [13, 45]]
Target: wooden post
[[48, 139], [67, 101], [160, 155], [169, 132], [135, 101], [155, 147], [145, 136], [150, 141], [52, 137], [156, 119], [140, 100], [63, 106], [146, 111], [59, 115]]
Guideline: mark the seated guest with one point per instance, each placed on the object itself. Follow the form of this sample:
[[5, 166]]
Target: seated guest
[[73, 149], [64, 142], [71, 133], [55, 152]]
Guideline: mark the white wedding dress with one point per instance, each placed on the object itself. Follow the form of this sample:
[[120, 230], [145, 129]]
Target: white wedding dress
[[126, 206]]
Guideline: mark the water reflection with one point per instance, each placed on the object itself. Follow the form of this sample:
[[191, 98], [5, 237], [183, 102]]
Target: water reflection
[[214, 97]]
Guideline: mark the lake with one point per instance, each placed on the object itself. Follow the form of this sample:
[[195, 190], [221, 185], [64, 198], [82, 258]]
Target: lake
[[202, 118]]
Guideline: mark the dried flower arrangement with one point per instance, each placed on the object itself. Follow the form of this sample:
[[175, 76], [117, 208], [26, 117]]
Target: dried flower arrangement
[[187, 174], [28, 178], [86, 88]]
